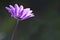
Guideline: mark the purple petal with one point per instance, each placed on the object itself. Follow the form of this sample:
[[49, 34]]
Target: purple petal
[[16, 9], [25, 11], [12, 9], [21, 10], [31, 15], [25, 18], [9, 10], [28, 13]]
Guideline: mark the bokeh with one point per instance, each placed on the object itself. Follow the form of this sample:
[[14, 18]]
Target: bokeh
[[44, 26]]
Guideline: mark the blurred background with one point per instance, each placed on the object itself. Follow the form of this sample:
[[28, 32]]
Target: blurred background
[[44, 26]]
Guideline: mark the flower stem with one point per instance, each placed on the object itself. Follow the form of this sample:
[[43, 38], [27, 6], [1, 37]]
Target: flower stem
[[12, 37]]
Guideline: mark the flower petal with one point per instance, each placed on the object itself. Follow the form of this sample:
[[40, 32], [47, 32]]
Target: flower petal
[[16, 9], [28, 13], [8, 9], [29, 16], [21, 10], [25, 11], [12, 9]]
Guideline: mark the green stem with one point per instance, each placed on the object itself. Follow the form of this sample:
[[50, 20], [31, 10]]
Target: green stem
[[12, 37]]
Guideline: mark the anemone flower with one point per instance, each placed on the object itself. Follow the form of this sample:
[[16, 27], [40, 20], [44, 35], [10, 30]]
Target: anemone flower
[[18, 12]]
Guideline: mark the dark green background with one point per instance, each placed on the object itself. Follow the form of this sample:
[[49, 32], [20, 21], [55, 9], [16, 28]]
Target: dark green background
[[44, 26]]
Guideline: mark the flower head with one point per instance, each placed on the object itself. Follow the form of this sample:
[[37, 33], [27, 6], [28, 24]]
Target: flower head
[[18, 12]]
